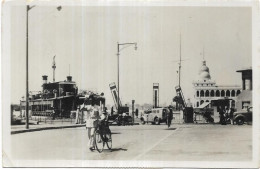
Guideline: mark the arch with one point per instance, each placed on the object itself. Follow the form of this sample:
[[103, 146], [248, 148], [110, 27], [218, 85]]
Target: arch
[[217, 93], [212, 93], [233, 93], [198, 93], [228, 93], [207, 93], [238, 92], [202, 101], [201, 93], [222, 93]]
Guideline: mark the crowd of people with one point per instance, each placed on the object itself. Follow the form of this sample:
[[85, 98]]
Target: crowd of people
[[226, 115]]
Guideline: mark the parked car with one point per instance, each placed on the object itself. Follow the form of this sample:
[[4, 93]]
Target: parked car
[[155, 116], [245, 115]]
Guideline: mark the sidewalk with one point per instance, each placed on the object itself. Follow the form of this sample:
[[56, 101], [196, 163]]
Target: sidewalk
[[15, 129]]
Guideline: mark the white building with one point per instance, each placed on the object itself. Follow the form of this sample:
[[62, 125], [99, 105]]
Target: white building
[[207, 89]]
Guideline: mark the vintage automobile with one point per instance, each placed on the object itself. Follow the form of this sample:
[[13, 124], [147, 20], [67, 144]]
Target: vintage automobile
[[245, 115], [155, 116]]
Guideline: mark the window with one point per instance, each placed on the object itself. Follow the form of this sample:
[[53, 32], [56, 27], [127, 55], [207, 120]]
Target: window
[[233, 93], [217, 93], [198, 93], [207, 93], [212, 93], [222, 93], [201, 93], [238, 92], [245, 104], [228, 93]]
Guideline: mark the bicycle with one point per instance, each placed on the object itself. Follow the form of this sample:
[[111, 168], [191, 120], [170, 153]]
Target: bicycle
[[102, 136]]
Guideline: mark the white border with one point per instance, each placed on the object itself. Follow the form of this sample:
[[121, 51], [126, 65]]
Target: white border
[[217, 3]]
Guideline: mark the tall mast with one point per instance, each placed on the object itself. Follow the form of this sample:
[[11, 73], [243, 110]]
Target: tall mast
[[180, 64], [53, 67], [69, 69]]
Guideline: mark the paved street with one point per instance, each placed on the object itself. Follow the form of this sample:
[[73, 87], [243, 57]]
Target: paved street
[[140, 142]]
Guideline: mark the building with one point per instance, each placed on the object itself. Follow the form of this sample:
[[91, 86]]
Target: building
[[207, 90], [244, 99]]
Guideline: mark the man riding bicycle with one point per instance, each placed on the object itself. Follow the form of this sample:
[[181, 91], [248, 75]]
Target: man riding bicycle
[[103, 124]]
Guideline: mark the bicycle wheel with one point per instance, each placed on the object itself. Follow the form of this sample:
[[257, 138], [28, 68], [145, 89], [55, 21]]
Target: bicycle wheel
[[108, 137], [99, 143]]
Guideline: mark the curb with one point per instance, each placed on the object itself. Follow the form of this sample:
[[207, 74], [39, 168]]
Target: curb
[[45, 128], [51, 128]]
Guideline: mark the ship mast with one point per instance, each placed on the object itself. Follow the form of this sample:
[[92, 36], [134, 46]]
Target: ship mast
[[180, 64], [53, 67]]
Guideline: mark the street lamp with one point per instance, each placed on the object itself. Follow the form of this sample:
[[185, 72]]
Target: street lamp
[[28, 8], [124, 45]]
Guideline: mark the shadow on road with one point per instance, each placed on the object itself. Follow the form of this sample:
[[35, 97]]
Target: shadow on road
[[170, 129], [115, 133], [118, 149]]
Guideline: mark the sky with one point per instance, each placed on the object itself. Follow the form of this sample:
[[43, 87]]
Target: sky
[[85, 38]]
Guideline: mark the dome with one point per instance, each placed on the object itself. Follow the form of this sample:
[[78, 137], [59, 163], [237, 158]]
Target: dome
[[204, 68], [205, 76], [204, 72]]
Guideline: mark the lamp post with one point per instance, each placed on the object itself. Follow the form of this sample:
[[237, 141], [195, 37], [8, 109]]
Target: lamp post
[[118, 53], [28, 8]]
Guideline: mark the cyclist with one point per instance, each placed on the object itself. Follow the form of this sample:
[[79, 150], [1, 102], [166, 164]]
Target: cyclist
[[104, 127]]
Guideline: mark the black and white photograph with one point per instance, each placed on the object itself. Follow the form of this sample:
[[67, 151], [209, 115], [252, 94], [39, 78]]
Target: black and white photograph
[[130, 83]]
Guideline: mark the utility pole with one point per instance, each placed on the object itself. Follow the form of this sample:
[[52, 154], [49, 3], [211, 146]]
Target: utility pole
[[118, 53], [28, 7]]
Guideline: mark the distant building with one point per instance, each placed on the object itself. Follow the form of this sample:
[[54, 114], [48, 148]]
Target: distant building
[[207, 89], [244, 99]]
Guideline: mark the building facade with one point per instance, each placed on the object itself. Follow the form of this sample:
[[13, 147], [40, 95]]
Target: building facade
[[207, 89], [244, 100]]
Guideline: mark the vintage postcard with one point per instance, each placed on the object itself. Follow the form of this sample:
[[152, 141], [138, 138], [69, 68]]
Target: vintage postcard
[[130, 83]]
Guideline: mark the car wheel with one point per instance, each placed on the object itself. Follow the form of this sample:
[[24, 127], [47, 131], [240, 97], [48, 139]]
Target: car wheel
[[240, 121], [156, 121]]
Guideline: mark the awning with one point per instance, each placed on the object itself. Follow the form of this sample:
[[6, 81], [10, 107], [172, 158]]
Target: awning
[[203, 105]]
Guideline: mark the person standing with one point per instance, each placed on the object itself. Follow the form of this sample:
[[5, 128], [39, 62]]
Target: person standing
[[112, 110], [92, 117], [231, 115], [169, 117], [77, 121]]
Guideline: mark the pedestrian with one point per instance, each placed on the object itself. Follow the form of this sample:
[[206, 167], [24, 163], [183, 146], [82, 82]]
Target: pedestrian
[[227, 113], [169, 117], [77, 121], [222, 115], [112, 110], [136, 113], [92, 117], [231, 115]]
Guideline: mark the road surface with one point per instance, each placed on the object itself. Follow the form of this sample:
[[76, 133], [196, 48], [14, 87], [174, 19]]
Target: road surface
[[140, 142]]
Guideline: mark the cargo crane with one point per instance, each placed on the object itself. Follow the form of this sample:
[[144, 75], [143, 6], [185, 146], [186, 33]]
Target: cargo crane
[[187, 111], [118, 118]]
